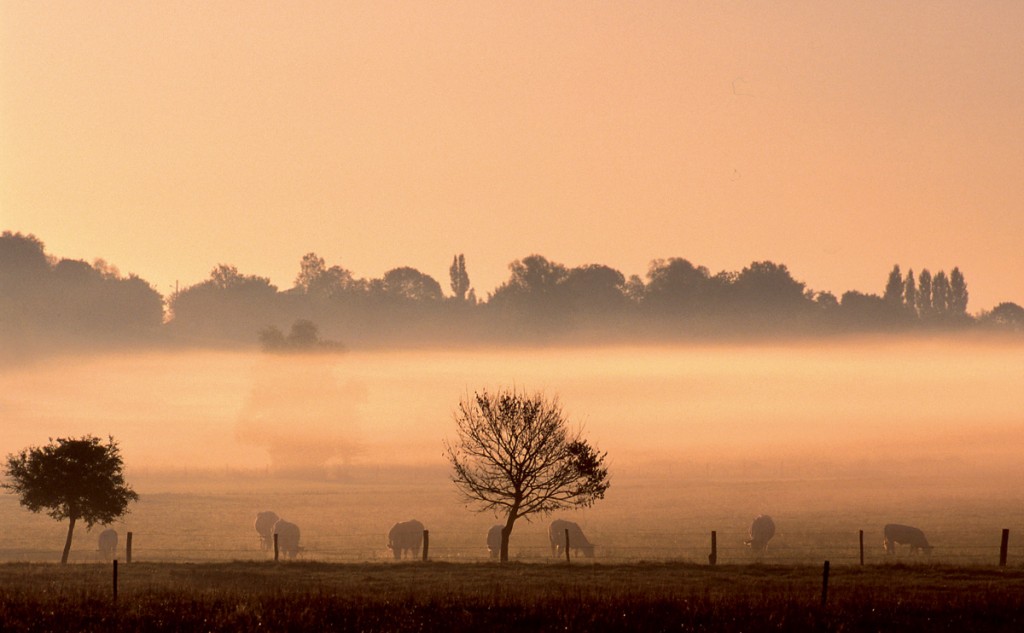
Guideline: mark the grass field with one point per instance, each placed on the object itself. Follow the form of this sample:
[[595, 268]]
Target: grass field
[[515, 597]]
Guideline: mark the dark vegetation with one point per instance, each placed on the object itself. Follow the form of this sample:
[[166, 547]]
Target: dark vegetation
[[71, 478], [515, 456], [518, 597], [68, 303]]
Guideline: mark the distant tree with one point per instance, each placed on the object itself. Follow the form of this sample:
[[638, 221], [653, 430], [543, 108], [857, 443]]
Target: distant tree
[[534, 276], [958, 294], [514, 454], [229, 305], [594, 291], [866, 311], [272, 339], [634, 288], [924, 294], [459, 277], [910, 292], [1005, 316], [22, 255], [74, 479], [411, 285], [316, 280], [894, 288], [311, 268], [677, 285], [303, 337], [940, 294], [826, 300], [766, 293]]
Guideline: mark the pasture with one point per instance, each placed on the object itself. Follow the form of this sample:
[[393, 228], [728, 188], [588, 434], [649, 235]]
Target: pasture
[[649, 515], [415, 596]]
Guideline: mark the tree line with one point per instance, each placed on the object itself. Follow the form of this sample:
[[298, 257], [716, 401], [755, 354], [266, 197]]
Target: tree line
[[74, 303]]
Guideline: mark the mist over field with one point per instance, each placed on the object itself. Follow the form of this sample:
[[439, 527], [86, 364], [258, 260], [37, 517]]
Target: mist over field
[[828, 438], [886, 404]]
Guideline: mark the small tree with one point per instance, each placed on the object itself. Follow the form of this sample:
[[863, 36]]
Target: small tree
[[71, 479], [516, 455]]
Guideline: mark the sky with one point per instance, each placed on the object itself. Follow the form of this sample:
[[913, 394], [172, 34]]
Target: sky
[[837, 138]]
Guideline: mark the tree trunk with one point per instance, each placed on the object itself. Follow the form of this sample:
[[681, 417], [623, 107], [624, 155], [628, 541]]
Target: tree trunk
[[506, 533], [67, 543]]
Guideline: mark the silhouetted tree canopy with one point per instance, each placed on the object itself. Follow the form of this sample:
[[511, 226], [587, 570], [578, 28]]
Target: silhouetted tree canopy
[[70, 302], [62, 301], [411, 285], [71, 478], [304, 336], [515, 455], [459, 277]]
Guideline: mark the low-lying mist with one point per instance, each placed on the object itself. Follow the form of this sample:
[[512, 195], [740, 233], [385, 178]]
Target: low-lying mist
[[868, 406]]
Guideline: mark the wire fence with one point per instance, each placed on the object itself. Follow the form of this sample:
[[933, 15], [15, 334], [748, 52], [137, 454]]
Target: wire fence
[[789, 547]]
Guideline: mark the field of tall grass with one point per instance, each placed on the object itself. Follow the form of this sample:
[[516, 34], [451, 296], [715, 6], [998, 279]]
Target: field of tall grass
[[415, 596]]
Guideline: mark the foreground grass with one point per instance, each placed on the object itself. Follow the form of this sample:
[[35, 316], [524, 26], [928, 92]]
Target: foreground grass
[[517, 597]]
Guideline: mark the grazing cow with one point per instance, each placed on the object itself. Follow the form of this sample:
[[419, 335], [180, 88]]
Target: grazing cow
[[287, 538], [494, 540], [905, 535], [577, 542], [407, 535], [761, 531], [108, 544], [265, 528]]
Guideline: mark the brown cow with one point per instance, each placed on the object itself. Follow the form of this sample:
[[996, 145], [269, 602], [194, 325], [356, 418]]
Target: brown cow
[[905, 535]]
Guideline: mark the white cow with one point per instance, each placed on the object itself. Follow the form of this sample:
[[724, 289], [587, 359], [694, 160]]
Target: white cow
[[494, 540], [287, 538], [108, 544], [265, 528], [578, 542], [761, 531], [905, 535]]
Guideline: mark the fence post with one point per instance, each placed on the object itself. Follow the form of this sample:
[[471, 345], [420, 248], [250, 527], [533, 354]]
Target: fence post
[[862, 547], [824, 585], [426, 544], [115, 580], [275, 547], [713, 556], [128, 549], [567, 545], [1003, 546]]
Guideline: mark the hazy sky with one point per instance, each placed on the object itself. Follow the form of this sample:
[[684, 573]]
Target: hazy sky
[[838, 138]]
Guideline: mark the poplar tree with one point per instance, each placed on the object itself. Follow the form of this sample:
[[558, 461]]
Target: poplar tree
[[924, 294], [940, 294], [894, 288], [957, 293], [459, 277], [910, 292]]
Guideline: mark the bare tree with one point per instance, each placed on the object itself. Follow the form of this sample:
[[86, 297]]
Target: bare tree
[[516, 455]]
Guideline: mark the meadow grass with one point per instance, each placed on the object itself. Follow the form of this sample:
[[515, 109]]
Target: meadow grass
[[432, 596]]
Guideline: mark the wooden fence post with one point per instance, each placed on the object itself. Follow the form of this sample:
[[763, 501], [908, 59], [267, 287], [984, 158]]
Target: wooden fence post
[[824, 585], [1003, 547], [567, 545], [426, 544], [115, 580], [862, 547], [713, 556], [128, 549], [275, 547]]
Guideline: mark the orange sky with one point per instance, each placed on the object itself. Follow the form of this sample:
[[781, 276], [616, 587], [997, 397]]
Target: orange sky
[[838, 138]]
